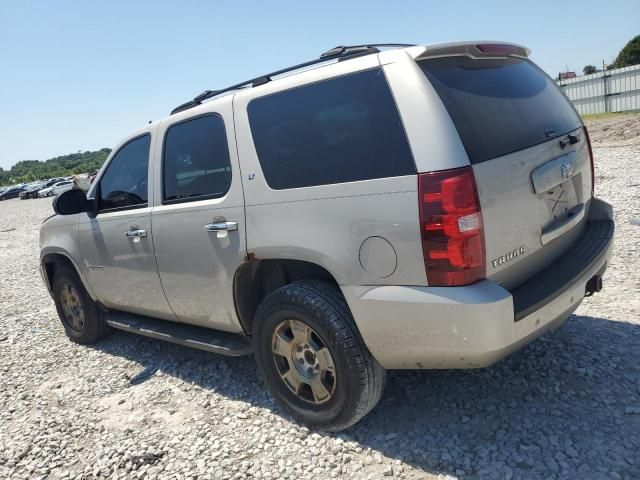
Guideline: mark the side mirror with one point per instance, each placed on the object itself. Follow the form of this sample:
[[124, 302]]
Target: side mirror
[[72, 202]]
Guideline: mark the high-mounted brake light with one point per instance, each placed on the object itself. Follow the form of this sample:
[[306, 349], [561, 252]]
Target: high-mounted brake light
[[451, 227], [500, 48], [593, 169]]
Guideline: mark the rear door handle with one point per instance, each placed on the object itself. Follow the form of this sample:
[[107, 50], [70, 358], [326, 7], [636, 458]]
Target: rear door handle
[[135, 233], [221, 226]]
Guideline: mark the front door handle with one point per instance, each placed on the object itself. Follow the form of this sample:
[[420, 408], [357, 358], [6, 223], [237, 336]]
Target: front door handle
[[221, 226], [135, 233]]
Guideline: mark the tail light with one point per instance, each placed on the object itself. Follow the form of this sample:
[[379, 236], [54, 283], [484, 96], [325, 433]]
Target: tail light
[[451, 227], [593, 169]]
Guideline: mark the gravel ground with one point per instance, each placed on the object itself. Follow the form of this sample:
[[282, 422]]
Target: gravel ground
[[566, 406]]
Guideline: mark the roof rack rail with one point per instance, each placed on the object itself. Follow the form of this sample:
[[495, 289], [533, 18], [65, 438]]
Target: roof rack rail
[[340, 52], [355, 49]]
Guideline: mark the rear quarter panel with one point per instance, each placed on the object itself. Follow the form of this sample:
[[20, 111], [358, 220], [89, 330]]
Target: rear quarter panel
[[434, 140], [328, 224], [329, 227]]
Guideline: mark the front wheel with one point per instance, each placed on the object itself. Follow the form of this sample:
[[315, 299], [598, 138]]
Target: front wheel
[[312, 357], [78, 313]]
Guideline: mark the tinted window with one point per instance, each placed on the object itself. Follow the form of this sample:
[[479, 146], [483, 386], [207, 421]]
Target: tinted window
[[335, 131], [196, 159], [124, 184], [499, 106]]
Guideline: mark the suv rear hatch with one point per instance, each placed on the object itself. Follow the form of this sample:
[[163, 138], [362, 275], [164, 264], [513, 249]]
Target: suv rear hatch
[[529, 153]]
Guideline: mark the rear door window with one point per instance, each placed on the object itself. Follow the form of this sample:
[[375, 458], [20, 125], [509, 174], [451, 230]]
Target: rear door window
[[196, 162], [499, 106], [334, 131]]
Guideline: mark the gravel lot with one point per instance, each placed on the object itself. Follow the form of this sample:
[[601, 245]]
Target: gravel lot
[[567, 406]]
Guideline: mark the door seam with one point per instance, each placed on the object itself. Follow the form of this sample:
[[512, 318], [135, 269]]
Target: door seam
[[244, 200]]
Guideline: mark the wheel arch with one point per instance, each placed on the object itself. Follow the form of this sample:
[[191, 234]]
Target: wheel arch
[[255, 279], [51, 261]]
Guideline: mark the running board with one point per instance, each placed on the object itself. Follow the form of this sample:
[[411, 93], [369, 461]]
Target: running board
[[215, 341]]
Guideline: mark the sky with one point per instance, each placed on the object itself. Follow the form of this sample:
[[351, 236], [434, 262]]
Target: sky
[[81, 75]]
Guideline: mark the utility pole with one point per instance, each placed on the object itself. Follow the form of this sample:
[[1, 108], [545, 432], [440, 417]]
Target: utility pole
[[604, 87]]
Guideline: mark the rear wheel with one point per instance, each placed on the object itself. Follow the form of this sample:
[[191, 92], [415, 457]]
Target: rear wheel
[[79, 315], [312, 357]]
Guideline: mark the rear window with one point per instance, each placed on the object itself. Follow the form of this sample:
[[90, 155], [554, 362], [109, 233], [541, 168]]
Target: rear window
[[499, 106], [339, 130]]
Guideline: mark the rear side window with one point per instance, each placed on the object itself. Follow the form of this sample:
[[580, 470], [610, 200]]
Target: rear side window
[[499, 106], [196, 160], [339, 130], [124, 183]]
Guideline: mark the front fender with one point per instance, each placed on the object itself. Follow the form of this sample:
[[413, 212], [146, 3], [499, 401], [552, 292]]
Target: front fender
[[59, 239]]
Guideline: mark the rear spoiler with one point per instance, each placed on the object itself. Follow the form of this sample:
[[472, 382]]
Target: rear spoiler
[[476, 50]]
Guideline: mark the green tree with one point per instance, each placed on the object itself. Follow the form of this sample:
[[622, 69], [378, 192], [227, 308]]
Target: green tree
[[30, 170], [589, 69], [630, 54]]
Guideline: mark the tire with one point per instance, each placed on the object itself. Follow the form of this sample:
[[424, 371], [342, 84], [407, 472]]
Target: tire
[[78, 314], [49, 194], [355, 384]]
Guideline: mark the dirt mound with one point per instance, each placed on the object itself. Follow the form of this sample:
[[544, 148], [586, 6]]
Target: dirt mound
[[616, 129]]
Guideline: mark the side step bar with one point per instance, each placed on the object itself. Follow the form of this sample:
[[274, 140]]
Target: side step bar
[[215, 341]]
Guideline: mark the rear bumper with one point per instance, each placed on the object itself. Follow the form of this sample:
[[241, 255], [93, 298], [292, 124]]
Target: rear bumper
[[476, 325]]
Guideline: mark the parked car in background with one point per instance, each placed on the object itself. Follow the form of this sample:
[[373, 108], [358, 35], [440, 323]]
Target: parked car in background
[[12, 192], [44, 184], [46, 192], [61, 187], [31, 190], [56, 189]]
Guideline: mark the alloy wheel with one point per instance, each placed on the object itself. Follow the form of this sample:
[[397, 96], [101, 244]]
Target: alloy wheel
[[72, 308], [304, 361]]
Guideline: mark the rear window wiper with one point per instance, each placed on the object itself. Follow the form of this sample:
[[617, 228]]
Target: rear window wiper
[[572, 139]]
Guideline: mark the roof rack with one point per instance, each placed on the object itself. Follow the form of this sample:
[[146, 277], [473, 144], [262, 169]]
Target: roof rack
[[340, 53]]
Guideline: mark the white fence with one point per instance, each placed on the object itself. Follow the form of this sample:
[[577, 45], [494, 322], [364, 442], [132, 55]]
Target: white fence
[[610, 91]]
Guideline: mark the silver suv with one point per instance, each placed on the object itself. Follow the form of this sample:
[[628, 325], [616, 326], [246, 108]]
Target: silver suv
[[381, 207]]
